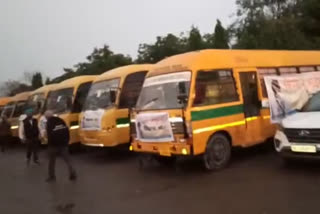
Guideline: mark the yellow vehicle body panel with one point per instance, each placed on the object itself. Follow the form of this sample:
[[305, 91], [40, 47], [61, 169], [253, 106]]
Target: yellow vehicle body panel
[[72, 119], [115, 127], [226, 118]]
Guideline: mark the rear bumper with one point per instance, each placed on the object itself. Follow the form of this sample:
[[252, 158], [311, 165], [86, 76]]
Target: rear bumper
[[163, 149]]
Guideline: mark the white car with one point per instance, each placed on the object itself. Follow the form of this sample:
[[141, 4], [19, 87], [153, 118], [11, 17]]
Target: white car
[[299, 133]]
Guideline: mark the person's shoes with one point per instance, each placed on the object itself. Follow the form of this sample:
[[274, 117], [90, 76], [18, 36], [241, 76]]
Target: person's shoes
[[51, 179], [73, 177]]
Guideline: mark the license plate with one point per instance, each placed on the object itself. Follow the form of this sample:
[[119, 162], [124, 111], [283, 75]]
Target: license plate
[[303, 148], [165, 153]]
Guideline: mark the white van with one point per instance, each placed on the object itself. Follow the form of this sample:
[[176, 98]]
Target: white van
[[299, 134]]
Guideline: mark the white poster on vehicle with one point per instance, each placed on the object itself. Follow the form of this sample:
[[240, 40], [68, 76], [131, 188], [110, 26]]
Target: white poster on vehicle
[[91, 120], [288, 94], [154, 127]]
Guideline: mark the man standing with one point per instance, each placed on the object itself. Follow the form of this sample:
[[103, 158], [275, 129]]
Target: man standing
[[5, 132], [29, 134], [58, 140]]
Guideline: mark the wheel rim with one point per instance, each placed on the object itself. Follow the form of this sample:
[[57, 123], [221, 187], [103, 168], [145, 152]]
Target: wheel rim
[[216, 154]]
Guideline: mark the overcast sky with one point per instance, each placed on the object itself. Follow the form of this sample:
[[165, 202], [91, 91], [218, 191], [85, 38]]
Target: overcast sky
[[47, 35]]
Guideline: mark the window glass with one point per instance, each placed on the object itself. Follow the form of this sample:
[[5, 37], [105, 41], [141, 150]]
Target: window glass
[[165, 91], [19, 109], [318, 68], [81, 96], [307, 69], [215, 87], [60, 101], [8, 110], [37, 102], [265, 72], [99, 94], [131, 89], [288, 70]]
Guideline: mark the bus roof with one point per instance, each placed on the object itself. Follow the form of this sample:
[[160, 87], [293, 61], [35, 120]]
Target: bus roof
[[222, 59], [44, 89], [21, 96], [75, 81], [4, 100], [123, 71]]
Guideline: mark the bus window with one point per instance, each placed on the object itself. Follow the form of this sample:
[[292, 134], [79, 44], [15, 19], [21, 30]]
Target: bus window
[[19, 109], [131, 89], [307, 69], [265, 72], [288, 70], [99, 96], [8, 109], [60, 101], [81, 96], [318, 68], [37, 102], [215, 87]]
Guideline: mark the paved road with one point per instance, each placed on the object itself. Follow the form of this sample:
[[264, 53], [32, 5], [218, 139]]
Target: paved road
[[255, 182]]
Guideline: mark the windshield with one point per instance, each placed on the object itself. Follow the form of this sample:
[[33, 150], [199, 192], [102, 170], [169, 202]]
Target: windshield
[[20, 108], [162, 92], [313, 104], [60, 101], [99, 96], [37, 102], [7, 110]]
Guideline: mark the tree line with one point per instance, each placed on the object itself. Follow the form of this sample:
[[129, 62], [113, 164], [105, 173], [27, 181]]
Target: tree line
[[258, 24]]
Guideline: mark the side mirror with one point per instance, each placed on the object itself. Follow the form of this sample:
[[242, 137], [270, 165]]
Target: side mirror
[[113, 96]]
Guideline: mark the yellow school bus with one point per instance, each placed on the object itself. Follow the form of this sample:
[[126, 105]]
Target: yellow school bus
[[66, 101], [14, 109], [105, 118], [3, 102], [38, 98], [205, 102]]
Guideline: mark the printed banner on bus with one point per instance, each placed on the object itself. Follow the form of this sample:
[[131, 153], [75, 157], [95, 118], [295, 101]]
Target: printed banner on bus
[[154, 127], [288, 94], [91, 120]]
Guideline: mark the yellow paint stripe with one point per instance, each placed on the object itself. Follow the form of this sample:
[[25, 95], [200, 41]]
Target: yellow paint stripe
[[123, 125], [217, 127]]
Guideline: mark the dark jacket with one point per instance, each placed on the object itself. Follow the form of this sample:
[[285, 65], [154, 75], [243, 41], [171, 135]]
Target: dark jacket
[[57, 132], [5, 128], [31, 131]]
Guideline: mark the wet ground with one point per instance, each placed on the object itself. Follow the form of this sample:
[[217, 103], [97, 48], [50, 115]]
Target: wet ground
[[111, 182]]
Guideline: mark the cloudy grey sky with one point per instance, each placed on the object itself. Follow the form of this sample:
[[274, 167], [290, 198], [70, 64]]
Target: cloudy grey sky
[[47, 35]]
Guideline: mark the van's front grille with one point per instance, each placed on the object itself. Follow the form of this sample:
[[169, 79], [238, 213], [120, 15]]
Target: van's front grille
[[177, 128], [303, 135]]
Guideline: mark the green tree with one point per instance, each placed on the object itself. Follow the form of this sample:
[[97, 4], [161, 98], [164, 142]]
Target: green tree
[[98, 62], [47, 81], [195, 40], [36, 81], [220, 37]]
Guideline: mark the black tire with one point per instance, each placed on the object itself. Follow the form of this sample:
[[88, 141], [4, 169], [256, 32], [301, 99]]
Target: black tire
[[218, 153], [166, 161]]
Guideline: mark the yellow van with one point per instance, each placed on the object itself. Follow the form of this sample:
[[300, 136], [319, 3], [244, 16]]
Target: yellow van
[[38, 98], [66, 100], [14, 109], [3, 102], [105, 118], [205, 102]]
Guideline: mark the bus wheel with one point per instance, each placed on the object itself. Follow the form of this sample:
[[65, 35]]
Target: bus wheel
[[218, 152]]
